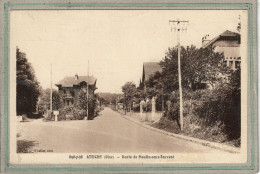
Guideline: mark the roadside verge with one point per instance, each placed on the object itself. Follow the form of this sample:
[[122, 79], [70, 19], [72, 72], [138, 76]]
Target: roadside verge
[[187, 138]]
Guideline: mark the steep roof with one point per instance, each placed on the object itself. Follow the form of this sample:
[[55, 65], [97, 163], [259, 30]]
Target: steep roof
[[70, 81], [149, 68], [225, 34]]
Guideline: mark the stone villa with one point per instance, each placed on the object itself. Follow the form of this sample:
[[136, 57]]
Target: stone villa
[[229, 43], [70, 86]]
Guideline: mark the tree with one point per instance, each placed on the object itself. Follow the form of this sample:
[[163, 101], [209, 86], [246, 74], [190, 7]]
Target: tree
[[198, 66], [44, 100], [109, 97], [230, 102], [129, 90], [155, 88], [87, 102], [27, 86]]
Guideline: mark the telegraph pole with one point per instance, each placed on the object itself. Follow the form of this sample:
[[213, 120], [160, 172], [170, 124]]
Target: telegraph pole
[[125, 103], [179, 25], [87, 90], [51, 92]]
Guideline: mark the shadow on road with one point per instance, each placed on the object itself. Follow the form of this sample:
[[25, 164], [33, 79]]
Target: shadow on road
[[25, 146]]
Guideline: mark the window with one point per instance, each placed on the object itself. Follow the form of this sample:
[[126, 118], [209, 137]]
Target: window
[[230, 63], [225, 63], [237, 65], [68, 102], [72, 93], [230, 57], [239, 58]]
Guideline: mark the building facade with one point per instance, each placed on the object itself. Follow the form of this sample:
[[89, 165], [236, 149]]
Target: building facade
[[229, 43], [70, 87]]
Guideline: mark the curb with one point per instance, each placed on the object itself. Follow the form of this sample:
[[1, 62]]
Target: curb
[[191, 139]]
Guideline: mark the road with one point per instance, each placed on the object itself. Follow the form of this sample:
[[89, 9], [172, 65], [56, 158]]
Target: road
[[107, 133]]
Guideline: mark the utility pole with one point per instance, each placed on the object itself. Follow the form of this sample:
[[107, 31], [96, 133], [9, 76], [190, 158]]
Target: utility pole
[[162, 102], [87, 90], [125, 103], [179, 25], [51, 92]]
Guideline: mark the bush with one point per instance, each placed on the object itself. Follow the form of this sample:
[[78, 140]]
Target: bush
[[213, 115], [49, 117], [136, 108], [76, 114], [64, 111], [223, 105], [79, 114]]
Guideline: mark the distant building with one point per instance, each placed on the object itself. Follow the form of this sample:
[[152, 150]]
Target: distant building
[[70, 86], [229, 43], [149, 68]]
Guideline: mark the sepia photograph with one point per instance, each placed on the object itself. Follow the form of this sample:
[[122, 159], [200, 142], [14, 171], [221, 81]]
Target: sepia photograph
[[128, 86], [120, 81]]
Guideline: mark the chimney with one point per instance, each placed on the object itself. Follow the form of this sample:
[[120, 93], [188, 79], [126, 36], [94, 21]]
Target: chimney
[[76, 77], [205, 40]]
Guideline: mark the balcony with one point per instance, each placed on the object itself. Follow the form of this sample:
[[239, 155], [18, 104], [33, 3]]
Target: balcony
[[67, 96]]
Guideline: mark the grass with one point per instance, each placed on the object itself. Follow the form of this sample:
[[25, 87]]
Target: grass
[[194, 127]]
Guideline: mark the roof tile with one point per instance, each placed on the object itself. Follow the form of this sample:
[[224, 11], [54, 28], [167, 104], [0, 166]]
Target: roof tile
[[70, 81], [150, 68]]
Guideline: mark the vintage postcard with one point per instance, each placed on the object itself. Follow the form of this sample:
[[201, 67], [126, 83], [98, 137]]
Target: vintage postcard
[[120, 87]]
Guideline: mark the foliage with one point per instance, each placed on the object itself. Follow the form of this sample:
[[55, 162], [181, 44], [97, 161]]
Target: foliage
[[83, 100], [213, 114], [88, 102], [108, 98], [44, 100], [25, 146], [216, 112], [71, 113], [197, 66], [79, 114], [129, 90], [65, 111], [223, 104], [211, 133], [49, 116], [155, 88], [28, 88]]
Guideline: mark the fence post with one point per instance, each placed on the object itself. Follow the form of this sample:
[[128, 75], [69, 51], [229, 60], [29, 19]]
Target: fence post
[[56, 113], [141, 109], [153, 109]]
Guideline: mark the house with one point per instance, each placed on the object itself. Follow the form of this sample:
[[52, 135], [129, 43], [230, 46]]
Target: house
[[70, 86], [149, 68], [229, 43]]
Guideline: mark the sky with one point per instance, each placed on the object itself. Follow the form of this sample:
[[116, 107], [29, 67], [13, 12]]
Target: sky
[[115, 42]]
